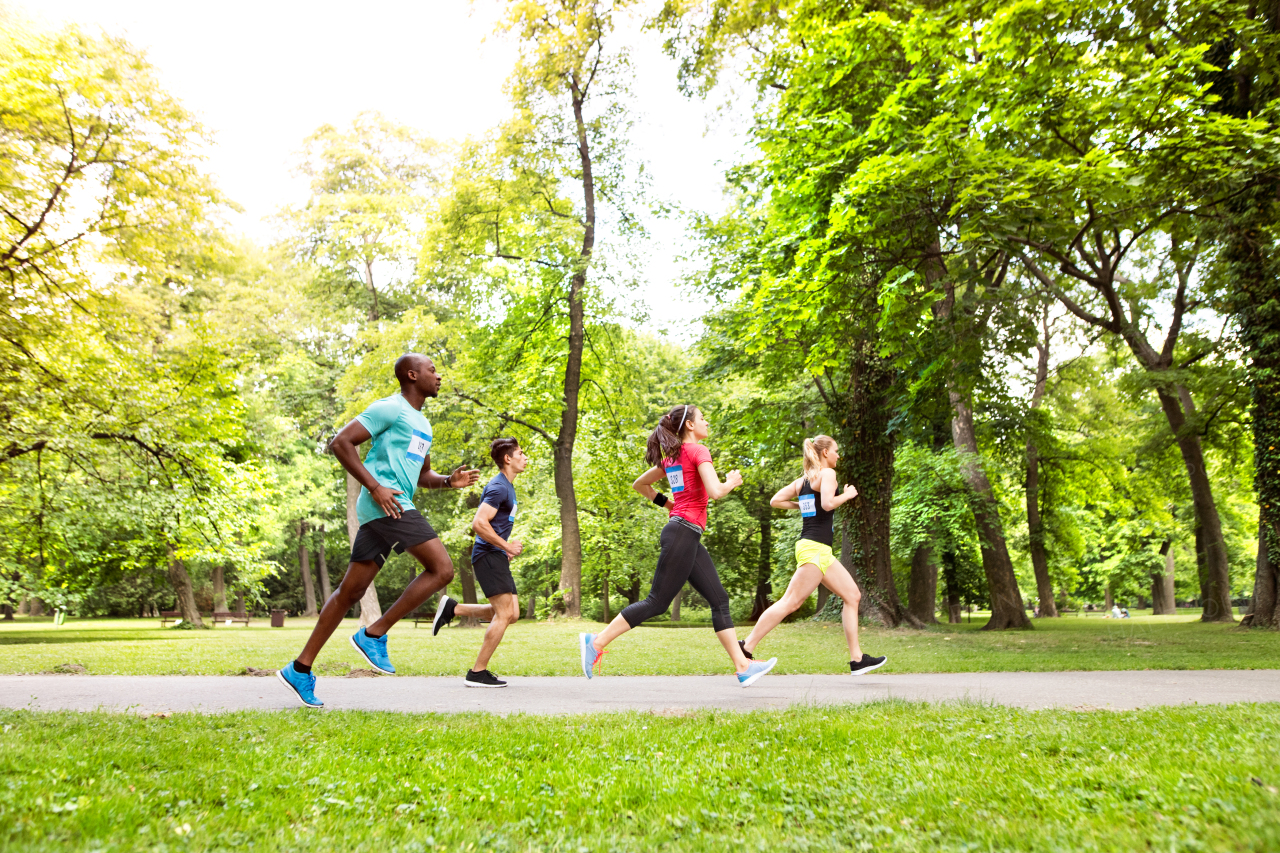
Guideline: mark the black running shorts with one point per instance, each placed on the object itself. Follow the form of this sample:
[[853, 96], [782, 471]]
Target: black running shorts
[[493, 571], [378, 538]]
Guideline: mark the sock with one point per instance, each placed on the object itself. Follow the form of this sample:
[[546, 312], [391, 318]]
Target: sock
[[302, 668]]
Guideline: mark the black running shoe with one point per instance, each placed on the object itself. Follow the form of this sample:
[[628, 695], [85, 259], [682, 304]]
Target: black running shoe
[[868, 663], [444, 613], [483, 678], [742, 644]]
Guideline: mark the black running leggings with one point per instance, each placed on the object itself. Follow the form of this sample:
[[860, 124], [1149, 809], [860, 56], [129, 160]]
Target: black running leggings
[[683, 558]]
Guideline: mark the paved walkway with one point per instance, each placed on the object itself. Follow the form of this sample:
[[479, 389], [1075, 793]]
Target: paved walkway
[[568, 695]]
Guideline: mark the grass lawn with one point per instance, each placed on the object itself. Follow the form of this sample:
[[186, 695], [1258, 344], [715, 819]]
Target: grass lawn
[[142, 647], [889, 776]]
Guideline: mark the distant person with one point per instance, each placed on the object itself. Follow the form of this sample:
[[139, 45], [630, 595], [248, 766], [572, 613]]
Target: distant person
[[1115, 612], [491, 557], [398, 462], [675, 451], [814, 494]]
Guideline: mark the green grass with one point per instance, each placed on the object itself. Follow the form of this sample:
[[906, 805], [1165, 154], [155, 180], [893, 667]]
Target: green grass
[[141, 647], [888, 776]]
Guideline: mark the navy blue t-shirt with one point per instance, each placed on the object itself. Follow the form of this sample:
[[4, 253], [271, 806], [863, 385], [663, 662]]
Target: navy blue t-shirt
[[501, 494]]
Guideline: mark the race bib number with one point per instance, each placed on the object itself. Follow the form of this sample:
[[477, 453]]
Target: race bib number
[[515, 505], [419, 446], [808, 505], [675, 476]]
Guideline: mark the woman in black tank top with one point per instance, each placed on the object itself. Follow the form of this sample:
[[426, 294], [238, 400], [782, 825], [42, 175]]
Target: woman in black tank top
[[815, 496]]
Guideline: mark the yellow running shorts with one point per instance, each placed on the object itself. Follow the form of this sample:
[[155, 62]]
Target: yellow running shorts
[[808, 551]]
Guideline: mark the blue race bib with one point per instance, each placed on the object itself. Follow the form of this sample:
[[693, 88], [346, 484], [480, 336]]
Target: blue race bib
[[808, 505], [675, 476]]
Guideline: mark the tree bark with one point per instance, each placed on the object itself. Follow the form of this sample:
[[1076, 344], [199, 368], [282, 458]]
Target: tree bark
[[8, 612], [240, 602], [1035, 525], [1266, 581], [304, 566], [764, 566], [370, 609], [1162, 602], [604, 587], [181, 582], [219, 589], [1108, 601], [1007, 608], [532, 614], [675, 605], [322, 566], [468, 578], [1202, 566], [922, 589], [570, 534]]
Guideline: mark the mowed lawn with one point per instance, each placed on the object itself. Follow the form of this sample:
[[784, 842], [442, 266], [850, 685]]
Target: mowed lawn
[[142, 647], [888, 776]]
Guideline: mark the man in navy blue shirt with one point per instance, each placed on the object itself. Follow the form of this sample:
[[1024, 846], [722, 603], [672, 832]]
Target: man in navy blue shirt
[[491, 560]]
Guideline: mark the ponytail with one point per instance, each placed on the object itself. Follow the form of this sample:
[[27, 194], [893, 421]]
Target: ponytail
[[814, 448], [666, 438]]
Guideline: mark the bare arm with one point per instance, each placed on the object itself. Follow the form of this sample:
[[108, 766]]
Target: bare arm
[[484, 529], [711, 481], [461, 477], [830, 500], [644, 483], [786, 496], [344, 446]]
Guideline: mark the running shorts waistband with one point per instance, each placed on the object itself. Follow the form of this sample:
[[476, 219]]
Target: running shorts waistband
[[680, 519]]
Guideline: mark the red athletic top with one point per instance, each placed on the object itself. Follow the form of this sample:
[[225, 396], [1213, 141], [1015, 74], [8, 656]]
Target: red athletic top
[[689, 496]]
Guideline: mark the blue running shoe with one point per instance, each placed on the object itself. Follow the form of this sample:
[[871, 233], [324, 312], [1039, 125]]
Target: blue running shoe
[[589, 654], [373, 650], [300, 684], [757, 669]]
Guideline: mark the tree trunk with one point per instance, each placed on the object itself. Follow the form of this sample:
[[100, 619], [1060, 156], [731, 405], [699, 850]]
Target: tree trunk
[[1035, 525], [1216, 596], [604, 587], [181, 582], [370, 609], [764, 566], [1162, 603], [8, 612], [374, 311], [1107, 600], [1202, 566], [675, 605], [922, 589], [1266, 582], [570, 535], [240, 602], [1007, 608], [219, 590], [953, 591], [322, 566], [304, 566], [533, 605], [468, 578]]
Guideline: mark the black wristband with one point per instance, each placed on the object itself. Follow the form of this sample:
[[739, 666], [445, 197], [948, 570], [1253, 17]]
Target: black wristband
[[660, 499]]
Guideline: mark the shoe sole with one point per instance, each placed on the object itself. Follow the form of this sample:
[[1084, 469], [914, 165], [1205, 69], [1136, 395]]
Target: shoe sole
[[435, 625], [367, 660], [280, 677], [871, 668], [753, 679], [478, 684], [582, 653]]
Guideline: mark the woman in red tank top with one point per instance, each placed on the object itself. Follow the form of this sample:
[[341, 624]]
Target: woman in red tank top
[[675, 452]]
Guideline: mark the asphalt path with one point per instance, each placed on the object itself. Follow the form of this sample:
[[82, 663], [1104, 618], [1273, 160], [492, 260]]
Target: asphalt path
[[672, 694]]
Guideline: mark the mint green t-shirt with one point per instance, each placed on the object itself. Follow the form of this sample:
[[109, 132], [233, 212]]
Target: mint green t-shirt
[[401, 441]]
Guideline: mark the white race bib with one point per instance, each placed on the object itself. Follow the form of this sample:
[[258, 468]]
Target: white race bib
[[675, 476], [808, 505], [419, 446]]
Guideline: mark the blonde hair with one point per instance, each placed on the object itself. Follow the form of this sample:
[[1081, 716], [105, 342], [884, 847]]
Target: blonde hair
[[814, 449]]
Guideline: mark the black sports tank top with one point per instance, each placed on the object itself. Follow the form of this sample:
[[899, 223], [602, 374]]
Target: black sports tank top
[[816, 522]]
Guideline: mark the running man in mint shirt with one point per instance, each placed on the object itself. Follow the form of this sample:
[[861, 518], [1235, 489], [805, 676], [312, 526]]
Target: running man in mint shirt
[[397, 464]]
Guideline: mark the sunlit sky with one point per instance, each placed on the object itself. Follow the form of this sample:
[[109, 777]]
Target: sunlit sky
[[263, 75]]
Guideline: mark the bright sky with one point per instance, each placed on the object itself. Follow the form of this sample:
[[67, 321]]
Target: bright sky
[[263, 75]]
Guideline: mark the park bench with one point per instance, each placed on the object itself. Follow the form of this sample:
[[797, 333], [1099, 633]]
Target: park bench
[[224, 616], [167, 616]]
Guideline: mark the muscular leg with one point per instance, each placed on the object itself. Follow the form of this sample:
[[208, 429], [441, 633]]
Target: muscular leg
[[354, 583], [706, 582], [437, 572], [505, 609], [483, 612], [839, 581], [802, 585]]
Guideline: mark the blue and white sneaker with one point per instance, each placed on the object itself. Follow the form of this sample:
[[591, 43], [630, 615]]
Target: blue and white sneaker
[[589, 654], [300, 684], [757, 669], [373, 650]]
